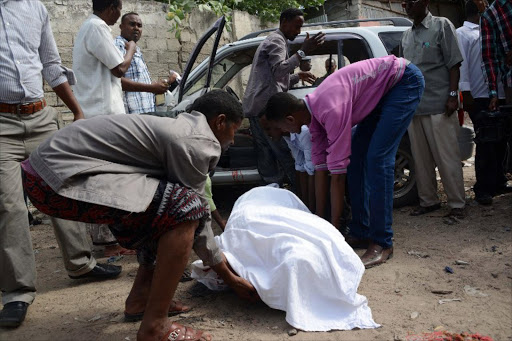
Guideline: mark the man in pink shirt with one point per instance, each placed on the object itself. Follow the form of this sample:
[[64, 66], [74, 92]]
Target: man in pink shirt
[[380, 96]]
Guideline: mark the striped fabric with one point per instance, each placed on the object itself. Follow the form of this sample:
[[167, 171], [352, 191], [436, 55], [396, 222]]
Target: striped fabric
[[136, 102], [496, 41], [28, 52]]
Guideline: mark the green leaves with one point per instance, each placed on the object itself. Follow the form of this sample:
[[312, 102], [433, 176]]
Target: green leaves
[[267, 11]]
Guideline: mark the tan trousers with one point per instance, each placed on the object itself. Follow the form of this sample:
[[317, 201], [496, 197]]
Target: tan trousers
[[19, 136], [434, 143]]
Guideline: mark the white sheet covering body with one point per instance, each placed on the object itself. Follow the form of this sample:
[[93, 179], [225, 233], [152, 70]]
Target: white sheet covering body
[[297, 261]]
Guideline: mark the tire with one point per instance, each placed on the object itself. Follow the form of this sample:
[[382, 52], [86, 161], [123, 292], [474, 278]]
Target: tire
[[405, 192]]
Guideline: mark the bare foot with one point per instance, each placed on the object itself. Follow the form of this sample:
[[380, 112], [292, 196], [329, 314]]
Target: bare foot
[[170, 331], [114, 250], [137, 307]]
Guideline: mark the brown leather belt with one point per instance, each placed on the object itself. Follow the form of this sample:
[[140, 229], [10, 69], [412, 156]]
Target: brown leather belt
[[23, 109]]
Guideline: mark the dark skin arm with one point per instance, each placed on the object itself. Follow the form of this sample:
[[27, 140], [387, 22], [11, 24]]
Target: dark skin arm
[[321, 188], [337, 195], [218, 219], [311, 193], [306, 76], [310, 44], [302, 180], [158, 87], [452, 103], [66, 95], [242, 287], [467, 100], [121, 69]]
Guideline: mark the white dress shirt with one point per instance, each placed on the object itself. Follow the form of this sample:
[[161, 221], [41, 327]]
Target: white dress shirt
[[300, 146], [471, 72], [28, 52], [97, 90]]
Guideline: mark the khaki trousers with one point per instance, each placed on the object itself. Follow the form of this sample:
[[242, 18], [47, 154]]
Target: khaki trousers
[[434, 143], [19, 136]]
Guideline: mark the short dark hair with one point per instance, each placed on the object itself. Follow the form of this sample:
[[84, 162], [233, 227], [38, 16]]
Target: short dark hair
[[281, 105], [290, 14], [471, 9], [127, 14], [218, 102], [101, 5]]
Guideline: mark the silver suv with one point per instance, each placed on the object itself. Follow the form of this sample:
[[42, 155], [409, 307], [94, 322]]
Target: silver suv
[[229, 66]]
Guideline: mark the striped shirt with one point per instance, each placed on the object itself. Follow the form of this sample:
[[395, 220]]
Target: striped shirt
[[136, 102], [28, 52], [496, 41]]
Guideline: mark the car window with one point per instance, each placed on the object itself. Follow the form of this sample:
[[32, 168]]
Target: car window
[[233, 69], [391, 41]]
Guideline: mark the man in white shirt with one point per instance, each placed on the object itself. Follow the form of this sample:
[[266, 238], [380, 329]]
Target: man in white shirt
[[98, 64], [490, 175]]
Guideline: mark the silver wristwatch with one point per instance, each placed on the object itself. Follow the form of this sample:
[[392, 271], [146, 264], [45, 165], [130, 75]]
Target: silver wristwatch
[[301, 54], [453, 94]]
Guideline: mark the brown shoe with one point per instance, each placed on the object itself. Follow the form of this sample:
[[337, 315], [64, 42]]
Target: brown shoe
[[456, 213], [357, 243], [420, 210], [376, 255]]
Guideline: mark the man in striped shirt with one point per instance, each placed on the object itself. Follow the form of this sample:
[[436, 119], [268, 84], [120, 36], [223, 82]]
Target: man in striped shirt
[[138, 90], [28, 54], [496, 39]]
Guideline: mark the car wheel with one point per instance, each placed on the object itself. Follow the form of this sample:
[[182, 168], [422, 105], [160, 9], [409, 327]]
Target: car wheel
[[405, 192]]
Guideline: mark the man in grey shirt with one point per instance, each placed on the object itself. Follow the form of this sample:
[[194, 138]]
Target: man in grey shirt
[[144, 176], [431, 44], [271, 73], [28, 54]]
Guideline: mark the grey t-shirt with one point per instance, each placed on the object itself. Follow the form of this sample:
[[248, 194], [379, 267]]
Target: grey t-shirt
[[432, 46], [118, 161]]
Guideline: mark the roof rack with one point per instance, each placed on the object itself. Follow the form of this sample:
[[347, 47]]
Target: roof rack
[[396, 21]]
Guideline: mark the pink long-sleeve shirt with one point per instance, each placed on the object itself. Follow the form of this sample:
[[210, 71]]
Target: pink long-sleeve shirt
[[343, 100]]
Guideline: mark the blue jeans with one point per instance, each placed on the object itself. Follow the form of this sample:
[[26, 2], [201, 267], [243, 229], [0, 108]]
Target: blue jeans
[[372, 162]]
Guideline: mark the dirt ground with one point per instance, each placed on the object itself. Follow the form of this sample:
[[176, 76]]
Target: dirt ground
[[400, 293]]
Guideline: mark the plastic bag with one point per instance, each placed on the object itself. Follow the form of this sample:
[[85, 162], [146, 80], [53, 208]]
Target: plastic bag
[[205, 275]]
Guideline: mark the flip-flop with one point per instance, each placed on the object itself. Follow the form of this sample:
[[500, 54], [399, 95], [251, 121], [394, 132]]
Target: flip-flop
[[179, 308], [179, 332]]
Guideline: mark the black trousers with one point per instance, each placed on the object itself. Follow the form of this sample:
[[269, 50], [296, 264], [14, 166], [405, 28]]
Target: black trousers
[[490, 152]]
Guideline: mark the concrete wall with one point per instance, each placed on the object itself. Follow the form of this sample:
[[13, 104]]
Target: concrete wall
[[359, 9], [161, 50]]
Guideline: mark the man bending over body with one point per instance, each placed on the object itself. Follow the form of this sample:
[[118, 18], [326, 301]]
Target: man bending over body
[[145, 177], [380, 96]]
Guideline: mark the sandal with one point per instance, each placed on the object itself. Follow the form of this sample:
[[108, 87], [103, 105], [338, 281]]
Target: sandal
[[177, 308], [420, 210], [179, 332]]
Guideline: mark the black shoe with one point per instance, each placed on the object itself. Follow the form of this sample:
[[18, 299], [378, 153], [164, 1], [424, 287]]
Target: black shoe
[[13, 314], [420, 210], [504, 189], [101, 271], [484, 199]]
